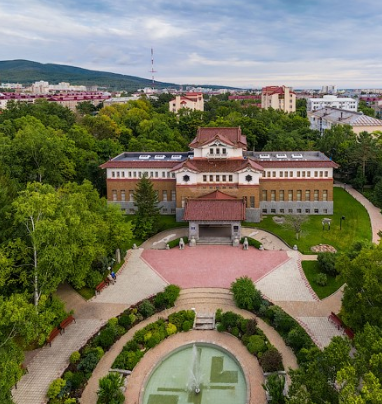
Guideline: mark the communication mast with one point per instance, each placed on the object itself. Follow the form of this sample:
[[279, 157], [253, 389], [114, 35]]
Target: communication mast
[[152, 71]]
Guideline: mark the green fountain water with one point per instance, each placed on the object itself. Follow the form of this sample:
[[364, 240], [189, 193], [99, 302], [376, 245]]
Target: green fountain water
[[197, 374]]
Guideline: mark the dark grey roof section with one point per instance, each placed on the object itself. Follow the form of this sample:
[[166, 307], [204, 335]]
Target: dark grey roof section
[[153, 156], [287, 156]]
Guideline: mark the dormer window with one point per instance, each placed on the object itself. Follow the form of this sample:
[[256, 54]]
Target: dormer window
[[224, 151], [217, 151], [211, 151]]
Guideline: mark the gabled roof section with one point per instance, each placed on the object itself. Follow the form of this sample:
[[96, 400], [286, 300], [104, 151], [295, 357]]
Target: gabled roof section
[[215, 206], [186, 164], [250, 164], [229, 136]]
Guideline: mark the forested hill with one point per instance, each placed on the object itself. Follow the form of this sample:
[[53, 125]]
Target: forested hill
[[27, 72]]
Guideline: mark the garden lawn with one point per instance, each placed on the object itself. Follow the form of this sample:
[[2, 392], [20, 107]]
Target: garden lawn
[[355, 227], [311, 269]]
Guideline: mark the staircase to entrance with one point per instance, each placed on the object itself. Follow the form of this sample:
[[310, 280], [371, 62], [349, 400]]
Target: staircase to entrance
[[214, 241]]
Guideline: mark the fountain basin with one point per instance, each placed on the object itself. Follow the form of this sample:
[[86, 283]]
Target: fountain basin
[[221, 381]]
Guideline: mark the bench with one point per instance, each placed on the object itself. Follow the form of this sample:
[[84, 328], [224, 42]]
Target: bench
[[53, 334], [349, 332], [101, 286], [335, 320], [66, 322]]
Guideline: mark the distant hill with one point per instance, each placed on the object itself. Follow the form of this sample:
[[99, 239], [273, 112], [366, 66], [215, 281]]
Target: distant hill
[[26, 72]]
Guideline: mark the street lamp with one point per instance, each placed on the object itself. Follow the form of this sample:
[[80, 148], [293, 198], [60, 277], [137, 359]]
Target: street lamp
[[341, 219]]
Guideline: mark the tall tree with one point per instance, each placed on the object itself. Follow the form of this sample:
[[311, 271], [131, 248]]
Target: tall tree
[[147, 216]]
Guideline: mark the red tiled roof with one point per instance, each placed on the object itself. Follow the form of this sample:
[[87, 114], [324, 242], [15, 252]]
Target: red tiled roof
[[216, 206], [186, 164], [208, 135]]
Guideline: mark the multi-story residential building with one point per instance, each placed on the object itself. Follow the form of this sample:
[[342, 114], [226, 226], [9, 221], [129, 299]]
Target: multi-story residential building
[[193, 101], [219, 183], [281, 98], [326, 118], [348, 104], [329, 89]]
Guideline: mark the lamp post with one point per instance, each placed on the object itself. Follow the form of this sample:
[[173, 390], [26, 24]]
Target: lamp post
[[341, 219]]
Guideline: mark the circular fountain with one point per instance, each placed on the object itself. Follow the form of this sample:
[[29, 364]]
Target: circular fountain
[[198, 373]]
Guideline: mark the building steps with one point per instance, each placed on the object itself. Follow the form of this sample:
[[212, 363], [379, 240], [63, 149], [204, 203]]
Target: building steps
[[214, 241], [204, 321], [205, 299]]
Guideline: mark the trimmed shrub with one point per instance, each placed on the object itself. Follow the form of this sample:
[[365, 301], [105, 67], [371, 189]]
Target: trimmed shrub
[[74, 357], [251, 242], [55, 388], [128, 359], [251, 327], [187, 325], [229, 320], [93, 279], [167, 298], [110, 389], [327, 263], [175, 243], [146, 308], [282, 321], [245, 294], [235, 332], [106, 337], [171, 329], [256, 344], [321, 279], [88, 363], [271, 360], [297, 339], [124, 320], [220, 327]]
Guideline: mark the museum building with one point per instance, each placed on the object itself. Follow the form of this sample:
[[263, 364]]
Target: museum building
[[219, 184]]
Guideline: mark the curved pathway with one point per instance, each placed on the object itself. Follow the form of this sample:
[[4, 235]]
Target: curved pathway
[[284, 284], [202, 300]]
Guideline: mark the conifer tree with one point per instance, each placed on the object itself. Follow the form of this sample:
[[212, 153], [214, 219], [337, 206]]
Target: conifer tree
[[146, 201]]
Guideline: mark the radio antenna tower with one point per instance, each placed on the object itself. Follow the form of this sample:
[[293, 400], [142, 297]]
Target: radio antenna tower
[[152, 71]]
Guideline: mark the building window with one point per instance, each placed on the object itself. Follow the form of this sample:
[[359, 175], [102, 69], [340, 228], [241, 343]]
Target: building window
[[315, 210], [281, 210], [298, 195], [224, 179], [139, 174], [273, 173], [183, 201], [211, 178], [268, 174], [113, 174], [186, 178], [230, 178], [286, 174], [308, 173], [131, 195], [163, 174], [325, 211], [204, 178], [164, 196], [298, 174], [273, 196], [114, 194], [217, 151], [211, 151], [290, 195], [307, 195], [173, 175], [281, 195], [303, 174], [281, 174], [130, 174], [316, 195], [290, 210], [156, 174], [321, 174], [248, 178], [168, 174], [123, 195], [252, 201], [264, 195], [218, 178], [224, 151], [123, 174], [316, 173], [265, 210], [298, 210], [273, 210], [173, 195], [291, 174], [324, 195], [326, 173], [307, 210], [135, 174]]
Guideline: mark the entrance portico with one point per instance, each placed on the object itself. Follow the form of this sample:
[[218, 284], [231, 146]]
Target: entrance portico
[[215, 215]]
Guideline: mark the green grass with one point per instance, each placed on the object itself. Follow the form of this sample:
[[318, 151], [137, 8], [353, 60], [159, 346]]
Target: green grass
[[355, 227], [311, 269], [86, 292]]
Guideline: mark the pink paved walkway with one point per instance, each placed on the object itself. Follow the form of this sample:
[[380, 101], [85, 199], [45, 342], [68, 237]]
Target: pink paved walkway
[[202, 266]]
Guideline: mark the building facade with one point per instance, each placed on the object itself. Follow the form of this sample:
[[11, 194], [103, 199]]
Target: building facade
[[327, 118], [219, 182], [281, 98], [345, 103], [193, 101]]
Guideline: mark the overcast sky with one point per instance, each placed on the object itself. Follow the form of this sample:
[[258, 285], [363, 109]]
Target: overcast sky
[[244, 43]]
